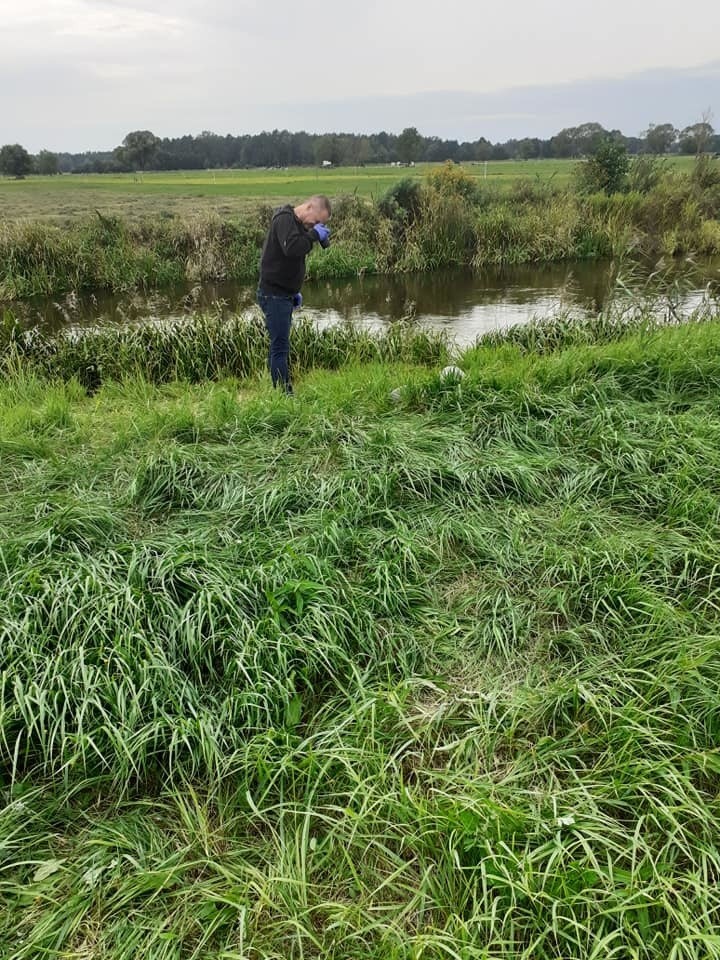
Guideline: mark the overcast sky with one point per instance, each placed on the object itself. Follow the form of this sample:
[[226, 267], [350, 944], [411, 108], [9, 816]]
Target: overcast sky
[[78, 75]]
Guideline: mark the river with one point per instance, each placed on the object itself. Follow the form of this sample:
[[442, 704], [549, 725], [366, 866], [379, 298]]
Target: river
[[461, 302]]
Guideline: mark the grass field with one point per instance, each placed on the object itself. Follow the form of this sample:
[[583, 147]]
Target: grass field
[[339, 677], [228, 192]]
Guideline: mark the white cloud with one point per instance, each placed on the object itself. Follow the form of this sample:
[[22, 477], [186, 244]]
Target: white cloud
[[119, 26]]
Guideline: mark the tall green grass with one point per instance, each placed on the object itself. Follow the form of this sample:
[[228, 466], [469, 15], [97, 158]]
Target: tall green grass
[[339, 677], [107, 252], [201, 347]]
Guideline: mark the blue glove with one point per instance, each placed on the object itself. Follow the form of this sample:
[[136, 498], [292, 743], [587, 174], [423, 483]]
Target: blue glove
[[323, 234], [297, 301]]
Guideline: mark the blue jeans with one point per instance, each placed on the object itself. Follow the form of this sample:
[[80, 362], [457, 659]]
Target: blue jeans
[[278, 318]]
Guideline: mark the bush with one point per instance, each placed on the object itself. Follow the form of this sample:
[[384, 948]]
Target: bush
[[402, 201], [451, 180], [606, 171]]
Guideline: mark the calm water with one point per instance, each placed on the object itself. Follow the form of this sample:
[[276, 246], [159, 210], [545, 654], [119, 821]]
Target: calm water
[[461, 302]]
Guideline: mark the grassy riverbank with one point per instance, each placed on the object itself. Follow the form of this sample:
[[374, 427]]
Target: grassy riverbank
[[340, 677], [448, 217]]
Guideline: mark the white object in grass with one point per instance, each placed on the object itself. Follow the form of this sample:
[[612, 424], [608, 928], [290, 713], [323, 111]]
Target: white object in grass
[[451, 373]]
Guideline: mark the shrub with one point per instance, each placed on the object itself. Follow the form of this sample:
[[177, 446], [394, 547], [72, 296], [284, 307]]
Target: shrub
[[606, 171], [451, 180], [402, 201]]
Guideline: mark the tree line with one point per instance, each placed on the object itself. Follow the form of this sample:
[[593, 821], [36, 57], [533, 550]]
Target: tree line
[[142, 150]]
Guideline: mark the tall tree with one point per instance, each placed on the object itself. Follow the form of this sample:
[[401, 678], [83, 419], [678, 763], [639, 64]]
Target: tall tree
[[15, 161], [529, 148], [578, 141], [328, 148], [409, 144], [696, 138], [46, 163], [660, 137], [139, 148]]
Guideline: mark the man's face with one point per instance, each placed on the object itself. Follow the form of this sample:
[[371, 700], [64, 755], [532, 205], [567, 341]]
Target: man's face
[[321, 215], [315, 214]]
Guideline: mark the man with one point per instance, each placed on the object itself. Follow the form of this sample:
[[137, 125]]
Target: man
[[291, 236]]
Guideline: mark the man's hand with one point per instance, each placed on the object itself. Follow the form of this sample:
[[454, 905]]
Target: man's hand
[[323, 234], [297, 301]]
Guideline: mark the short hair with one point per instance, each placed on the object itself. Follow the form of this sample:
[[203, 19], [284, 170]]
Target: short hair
[[320, 200]]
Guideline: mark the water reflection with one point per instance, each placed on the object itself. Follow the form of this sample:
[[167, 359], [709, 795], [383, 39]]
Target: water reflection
[[454, 294], [462, 302]]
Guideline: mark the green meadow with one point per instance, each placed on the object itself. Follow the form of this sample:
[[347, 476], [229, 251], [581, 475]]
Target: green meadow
[[228, 192]]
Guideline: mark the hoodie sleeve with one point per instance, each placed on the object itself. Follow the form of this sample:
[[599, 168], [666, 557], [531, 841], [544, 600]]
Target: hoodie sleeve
[[294, 240]]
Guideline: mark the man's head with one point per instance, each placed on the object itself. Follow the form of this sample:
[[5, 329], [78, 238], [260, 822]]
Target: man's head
[[314, 210]]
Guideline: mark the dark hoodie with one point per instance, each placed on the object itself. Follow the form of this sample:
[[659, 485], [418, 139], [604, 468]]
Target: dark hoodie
[[282, 264]]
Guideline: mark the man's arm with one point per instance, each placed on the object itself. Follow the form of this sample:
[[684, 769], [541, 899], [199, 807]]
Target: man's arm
[[294, 240]]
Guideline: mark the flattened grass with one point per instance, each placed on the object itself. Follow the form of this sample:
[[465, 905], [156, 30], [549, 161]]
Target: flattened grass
[[340, 677]]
